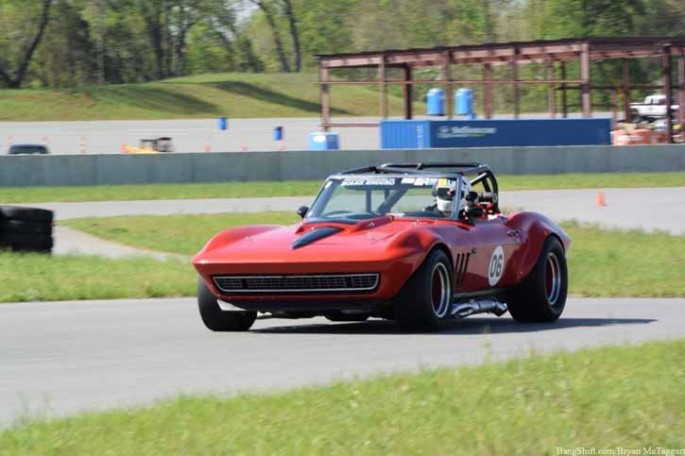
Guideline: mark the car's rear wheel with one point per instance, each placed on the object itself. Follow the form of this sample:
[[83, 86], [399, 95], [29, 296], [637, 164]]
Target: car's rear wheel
[[541, 297], [425, 301], [217, 319]]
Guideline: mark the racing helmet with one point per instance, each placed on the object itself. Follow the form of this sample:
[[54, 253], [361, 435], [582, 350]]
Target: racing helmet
[[444, 192]]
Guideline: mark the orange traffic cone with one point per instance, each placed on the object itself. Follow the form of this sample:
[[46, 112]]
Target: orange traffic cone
[[601, 202]]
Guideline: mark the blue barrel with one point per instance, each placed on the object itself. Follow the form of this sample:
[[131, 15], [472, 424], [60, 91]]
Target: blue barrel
[[324, 141], [463, 101], [435, 101], [278, 133], [223, 123]]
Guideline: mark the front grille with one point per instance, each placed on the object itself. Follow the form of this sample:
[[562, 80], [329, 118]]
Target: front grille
[[319, 283]]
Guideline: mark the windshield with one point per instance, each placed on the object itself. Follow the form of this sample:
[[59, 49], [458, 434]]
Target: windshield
[[362, 197]]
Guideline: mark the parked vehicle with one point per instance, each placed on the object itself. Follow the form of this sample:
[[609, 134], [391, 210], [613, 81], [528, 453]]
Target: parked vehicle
[[654, 107], [416, 243], [28, 149], [150, 146]]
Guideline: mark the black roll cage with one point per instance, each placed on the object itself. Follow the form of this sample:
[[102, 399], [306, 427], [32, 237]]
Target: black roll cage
[[483, 174]]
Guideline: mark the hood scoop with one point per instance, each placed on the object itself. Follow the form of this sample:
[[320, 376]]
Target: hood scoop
[[315, 235]]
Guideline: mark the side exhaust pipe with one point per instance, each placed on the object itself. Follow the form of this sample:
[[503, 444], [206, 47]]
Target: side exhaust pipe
[[462, 310]]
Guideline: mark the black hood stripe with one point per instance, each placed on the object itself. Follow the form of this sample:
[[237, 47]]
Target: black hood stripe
[[314, 236]]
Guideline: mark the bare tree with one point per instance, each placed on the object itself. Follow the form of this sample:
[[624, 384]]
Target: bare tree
[[153, 14], [269, 14], [15, 81], [292, 22], [187, 15]]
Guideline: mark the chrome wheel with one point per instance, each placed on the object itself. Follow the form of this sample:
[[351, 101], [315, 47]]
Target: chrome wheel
[[553, 279], [441, 290]]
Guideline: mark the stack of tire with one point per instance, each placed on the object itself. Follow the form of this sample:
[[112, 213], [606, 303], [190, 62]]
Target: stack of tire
[[26, 229]]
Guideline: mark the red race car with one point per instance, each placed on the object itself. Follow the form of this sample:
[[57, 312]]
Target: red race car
[[418, 243]]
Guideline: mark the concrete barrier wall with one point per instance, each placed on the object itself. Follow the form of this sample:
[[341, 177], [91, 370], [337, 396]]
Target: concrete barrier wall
[[57, 170]]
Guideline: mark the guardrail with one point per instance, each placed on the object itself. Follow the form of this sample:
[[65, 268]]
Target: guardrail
[[108, 169]]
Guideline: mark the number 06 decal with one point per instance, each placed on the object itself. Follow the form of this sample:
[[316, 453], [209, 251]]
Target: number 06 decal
[[496, 268]]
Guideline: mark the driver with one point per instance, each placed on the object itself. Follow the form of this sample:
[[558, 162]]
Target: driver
[[444, 192]]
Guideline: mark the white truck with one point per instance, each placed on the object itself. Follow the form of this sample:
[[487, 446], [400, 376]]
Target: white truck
[[654, 107]]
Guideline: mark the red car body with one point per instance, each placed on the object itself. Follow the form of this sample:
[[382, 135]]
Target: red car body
[[393, 247]]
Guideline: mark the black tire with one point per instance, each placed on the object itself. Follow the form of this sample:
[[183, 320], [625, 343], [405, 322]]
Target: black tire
[[27, 214], [425, 301], [541, 297], [21, 227], [216, 319], [26, 242]]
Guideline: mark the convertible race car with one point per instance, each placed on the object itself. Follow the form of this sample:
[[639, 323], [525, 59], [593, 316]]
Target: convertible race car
[[418, 243]]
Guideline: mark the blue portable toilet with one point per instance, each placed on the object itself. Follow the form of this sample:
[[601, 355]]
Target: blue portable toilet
[[223, 123], [323, 141], [435, 101], [463, 101], [278, 134]]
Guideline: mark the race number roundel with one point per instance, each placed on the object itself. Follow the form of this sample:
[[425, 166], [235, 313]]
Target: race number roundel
[[496, 268]]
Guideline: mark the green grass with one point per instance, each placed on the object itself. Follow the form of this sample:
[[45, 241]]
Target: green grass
[[33, 277], [235, 95], [601, 262], [184, 234], [628, 397], [625, 263], [9, 195]]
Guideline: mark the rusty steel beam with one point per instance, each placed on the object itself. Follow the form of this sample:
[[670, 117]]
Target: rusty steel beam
[[681, 92], [352, 124], [668, 84], [408, 93], [514, 76], [324, 76], [586, 100], [449, 91], [551, 94], [625, 88], [382, 76], [512, 54], [564, 95], [614, 109], [488, 99], [461, 81]]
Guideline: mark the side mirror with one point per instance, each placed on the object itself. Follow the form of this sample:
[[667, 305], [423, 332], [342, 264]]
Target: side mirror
[[302, 211]]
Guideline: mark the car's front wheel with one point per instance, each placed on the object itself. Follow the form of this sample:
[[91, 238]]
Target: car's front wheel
[[541, 297], [426, 299], [217, 319]]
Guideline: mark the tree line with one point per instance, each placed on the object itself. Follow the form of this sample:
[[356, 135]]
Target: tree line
[[66, 43]]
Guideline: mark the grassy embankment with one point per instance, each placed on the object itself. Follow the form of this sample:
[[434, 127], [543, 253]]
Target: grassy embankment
[[628, 397], [602, 263], [234, 95], [237, 95], [304, 188]]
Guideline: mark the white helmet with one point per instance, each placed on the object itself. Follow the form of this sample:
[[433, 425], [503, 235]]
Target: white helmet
[[444, 192]]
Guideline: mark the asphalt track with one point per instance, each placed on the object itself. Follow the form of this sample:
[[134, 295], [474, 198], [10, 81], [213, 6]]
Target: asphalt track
[[189, 135], [193, 135], [63, 357]]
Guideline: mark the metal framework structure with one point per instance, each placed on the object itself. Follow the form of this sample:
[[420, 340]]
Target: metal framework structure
[[555, 55]]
